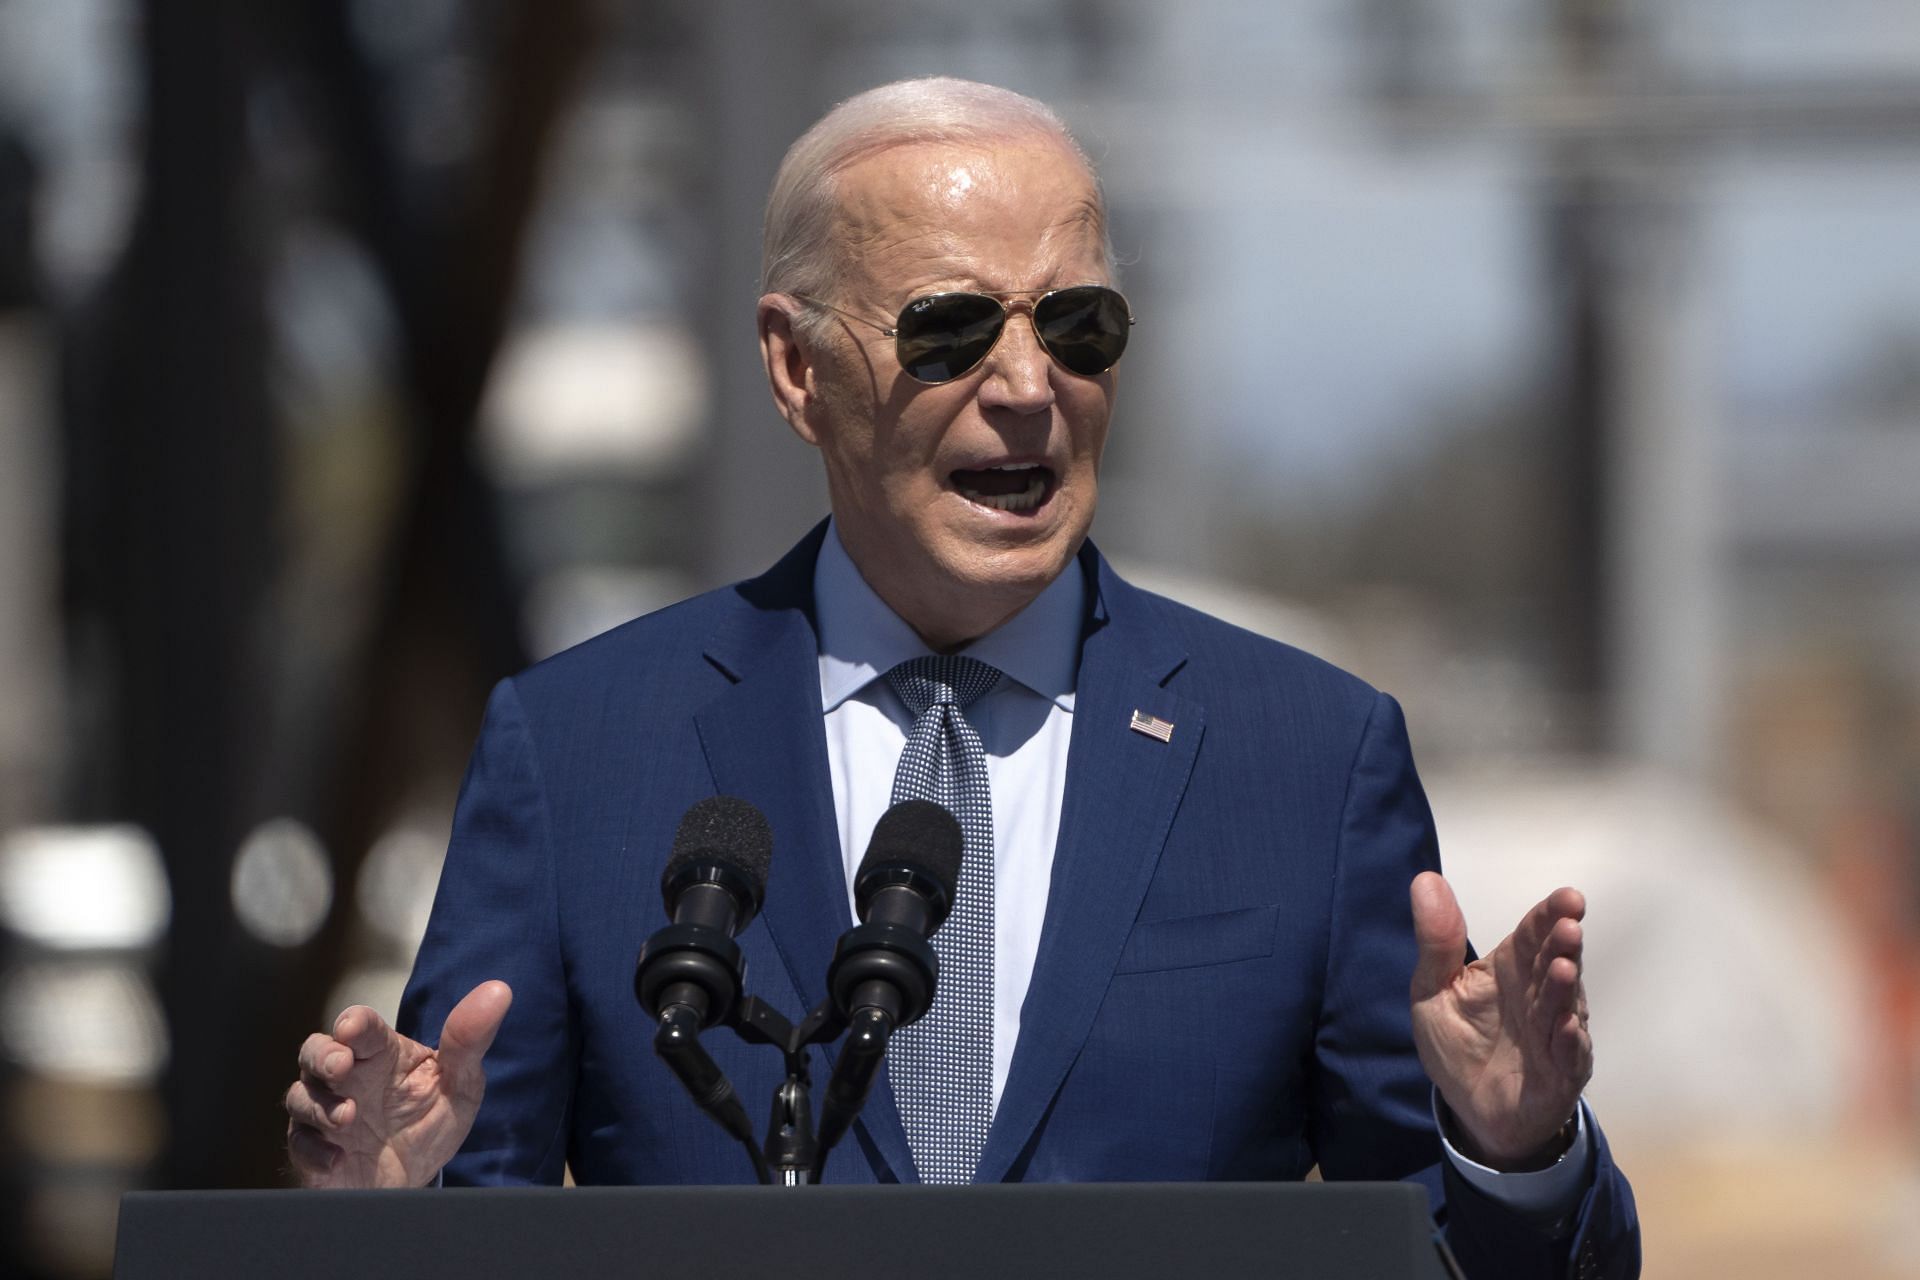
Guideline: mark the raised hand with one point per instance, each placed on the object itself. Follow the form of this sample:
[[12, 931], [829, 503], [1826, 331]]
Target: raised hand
[[374, 1109], [1505, 1038]]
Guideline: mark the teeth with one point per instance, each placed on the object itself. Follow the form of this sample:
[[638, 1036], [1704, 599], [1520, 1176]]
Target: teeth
[[1016, 466], [1026, 500]]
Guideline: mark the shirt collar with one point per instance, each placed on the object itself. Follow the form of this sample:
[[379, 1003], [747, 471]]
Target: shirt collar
[[861, 639]]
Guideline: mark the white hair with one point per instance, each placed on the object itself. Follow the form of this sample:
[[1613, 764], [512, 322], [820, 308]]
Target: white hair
[[798, 251]]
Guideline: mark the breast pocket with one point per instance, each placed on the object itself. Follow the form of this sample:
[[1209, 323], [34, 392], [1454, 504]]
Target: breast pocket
[[1187, 942]]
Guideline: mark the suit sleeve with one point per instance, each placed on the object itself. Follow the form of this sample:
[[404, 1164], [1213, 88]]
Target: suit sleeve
[[496, 916], [1372, 1110]]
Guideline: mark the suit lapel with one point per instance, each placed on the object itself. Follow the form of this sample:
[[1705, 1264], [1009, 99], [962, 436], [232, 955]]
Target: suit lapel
[[1123, 787], [765, 741], [762, 745]]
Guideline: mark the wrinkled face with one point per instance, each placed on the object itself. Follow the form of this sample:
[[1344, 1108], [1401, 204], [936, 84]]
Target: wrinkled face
[[960, 502]]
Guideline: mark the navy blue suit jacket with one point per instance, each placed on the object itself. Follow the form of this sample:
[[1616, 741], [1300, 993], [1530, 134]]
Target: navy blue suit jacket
[[1221, 986]]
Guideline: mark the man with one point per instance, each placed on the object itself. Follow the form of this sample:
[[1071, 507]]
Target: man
[[1200, 870]]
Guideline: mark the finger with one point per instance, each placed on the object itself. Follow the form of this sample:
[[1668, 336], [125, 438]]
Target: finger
[[1544, 917], [323, 1059], [364, 1032], [1558, 995], [471, 1027], [318, 1107], [1567, 903], [1440, 930], [1572, 1049], [1559, 1015], [1563, 979], [1555, 987], [312, 1155], [1565, 941]]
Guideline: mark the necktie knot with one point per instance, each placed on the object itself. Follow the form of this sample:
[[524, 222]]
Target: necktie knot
[[945, 679]]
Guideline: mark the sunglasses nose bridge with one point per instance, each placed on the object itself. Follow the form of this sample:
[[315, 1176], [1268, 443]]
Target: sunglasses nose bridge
[[1019, 308], [1019, 365]]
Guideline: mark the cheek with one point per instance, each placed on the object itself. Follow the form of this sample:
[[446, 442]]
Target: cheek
[[836, 401], [1097, 444], [1091, 414]]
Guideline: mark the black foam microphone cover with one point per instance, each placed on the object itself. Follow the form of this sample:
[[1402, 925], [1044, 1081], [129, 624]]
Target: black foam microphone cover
[[723, 842], [916, 846]]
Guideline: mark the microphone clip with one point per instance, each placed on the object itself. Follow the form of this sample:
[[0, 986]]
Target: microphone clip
[[883, 966], [695, 965]]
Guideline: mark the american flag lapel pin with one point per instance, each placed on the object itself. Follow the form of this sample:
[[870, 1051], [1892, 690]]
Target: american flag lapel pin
[[1152, 726]]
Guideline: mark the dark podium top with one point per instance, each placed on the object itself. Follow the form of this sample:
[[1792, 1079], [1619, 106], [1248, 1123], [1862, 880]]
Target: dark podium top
[[1351, 1231]]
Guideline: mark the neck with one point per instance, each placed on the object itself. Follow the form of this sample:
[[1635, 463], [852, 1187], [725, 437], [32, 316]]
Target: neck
[[945, 628], [947, 615]]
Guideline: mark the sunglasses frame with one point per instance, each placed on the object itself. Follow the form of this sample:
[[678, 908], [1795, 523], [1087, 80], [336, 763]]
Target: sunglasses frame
[[1006, 300]]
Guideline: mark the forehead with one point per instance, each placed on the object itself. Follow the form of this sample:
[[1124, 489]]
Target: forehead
[[1004, 215]]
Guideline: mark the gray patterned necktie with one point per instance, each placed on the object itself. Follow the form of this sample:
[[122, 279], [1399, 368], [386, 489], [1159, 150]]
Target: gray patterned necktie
[[941, 1067]]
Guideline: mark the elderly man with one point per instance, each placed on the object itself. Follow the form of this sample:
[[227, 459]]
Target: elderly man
[[1199, 871]]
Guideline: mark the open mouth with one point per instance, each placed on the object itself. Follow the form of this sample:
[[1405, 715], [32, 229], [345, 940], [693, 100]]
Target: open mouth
[[1016, 486]]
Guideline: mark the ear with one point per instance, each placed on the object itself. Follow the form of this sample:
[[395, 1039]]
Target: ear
[[788, 360]]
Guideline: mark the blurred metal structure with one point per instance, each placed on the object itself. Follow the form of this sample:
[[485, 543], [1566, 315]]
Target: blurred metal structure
[[170, 508], [1639, 469], [173, 512]]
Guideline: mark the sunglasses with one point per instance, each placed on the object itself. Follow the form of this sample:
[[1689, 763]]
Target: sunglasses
[[944, 336]]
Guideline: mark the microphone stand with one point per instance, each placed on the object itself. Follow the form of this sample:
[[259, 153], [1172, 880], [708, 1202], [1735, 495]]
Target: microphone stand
[[794, 1153]]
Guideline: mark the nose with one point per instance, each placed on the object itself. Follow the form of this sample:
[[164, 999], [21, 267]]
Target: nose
[[1019, 370]]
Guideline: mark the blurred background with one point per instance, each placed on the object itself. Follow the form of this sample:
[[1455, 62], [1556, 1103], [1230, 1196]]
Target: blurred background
[[1553, 364]]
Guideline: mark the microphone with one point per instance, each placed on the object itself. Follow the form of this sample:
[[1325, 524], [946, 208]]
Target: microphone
[[903, 892], [911, 868], [883, 971], [689, 974], [713, 886]]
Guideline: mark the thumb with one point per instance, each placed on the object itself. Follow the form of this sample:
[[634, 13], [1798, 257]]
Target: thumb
[[1440, 930], [471, 1027]]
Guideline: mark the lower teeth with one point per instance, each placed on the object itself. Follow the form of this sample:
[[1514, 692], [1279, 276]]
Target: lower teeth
[[1026, 500]]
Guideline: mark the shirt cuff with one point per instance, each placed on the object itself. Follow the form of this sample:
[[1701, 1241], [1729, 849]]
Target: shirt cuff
[[1549, 1192]]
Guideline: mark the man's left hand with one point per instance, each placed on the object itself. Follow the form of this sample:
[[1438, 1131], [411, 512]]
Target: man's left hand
[[1505, 1038]]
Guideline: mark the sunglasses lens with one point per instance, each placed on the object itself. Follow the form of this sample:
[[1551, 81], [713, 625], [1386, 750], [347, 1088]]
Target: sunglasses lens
[[942, 336], [1085, 327]]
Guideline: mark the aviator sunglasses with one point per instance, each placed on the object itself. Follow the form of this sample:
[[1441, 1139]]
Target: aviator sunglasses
[[943, 336]]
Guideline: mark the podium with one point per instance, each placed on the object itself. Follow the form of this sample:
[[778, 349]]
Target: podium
[[1222, 1231]]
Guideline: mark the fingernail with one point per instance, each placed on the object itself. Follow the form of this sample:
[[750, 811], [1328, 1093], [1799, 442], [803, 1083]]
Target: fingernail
[[338, 1060]]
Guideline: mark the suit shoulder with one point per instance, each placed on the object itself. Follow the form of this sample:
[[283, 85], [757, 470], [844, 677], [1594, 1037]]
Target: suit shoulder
[[654, 646], [651, 653]]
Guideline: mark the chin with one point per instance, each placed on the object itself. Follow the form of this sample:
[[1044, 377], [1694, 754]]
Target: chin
[[957, 589], [1024, 570]]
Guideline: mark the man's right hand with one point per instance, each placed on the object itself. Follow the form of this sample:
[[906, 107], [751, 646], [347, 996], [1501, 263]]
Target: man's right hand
[[374, 1109]]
